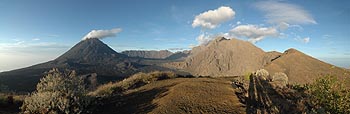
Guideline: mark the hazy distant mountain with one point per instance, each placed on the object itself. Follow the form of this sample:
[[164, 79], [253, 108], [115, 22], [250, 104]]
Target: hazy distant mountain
[[162, 54], [181, 55]]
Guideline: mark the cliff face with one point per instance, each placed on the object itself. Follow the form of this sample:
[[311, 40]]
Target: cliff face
[[162, 54]]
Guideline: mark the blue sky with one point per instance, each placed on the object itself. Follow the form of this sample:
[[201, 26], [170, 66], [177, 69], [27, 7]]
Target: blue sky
[[35, 31]]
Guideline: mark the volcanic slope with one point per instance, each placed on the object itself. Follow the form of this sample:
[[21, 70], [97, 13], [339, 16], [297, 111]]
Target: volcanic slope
[[302, 68], [88, 56], [225, 57], [234, 57]]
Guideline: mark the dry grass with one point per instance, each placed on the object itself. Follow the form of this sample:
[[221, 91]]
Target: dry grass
[[178, 96], [4, 98], [10, 105], [133, 81]]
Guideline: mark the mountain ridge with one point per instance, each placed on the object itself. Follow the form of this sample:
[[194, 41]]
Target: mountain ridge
[[220, 57]]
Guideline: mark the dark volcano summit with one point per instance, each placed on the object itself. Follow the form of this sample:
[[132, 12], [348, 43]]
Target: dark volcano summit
[[89, 50]]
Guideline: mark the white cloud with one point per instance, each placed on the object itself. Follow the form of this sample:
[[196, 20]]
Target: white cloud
[[213, 18], [306, 40], [281, 12], [302, 40], [191, 46], [204, 38], [35, 39], [254, 33], [100, 34], [238, 22], [283, 26]]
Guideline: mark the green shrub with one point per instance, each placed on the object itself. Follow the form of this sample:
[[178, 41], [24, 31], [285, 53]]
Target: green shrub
[[57, 92], [132, 82], [247, 76], [331, 95]]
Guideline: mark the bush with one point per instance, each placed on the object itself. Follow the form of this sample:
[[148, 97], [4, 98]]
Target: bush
[[132, 82], [330, 94], [57, 92], [262, 74], [280, 76], [279, 79]]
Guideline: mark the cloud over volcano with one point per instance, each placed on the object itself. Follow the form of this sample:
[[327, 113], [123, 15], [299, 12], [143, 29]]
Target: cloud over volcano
[[100, 34]]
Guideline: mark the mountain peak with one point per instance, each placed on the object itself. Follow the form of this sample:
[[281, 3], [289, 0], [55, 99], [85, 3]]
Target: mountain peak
[[87, 50], [218, 39], [224, 57], [291, 50]]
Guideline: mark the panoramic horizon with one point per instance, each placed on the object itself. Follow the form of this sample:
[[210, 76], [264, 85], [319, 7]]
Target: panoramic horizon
[[174, 57], [38, 31]]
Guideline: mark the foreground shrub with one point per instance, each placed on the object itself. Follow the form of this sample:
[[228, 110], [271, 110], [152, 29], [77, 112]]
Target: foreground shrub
[[279, 79], [329, 94], [58, 93], [132, 82], [262, 74], [280, 76]]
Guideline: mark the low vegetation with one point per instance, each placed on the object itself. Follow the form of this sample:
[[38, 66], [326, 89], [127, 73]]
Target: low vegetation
[[66, 93], [57, 93], [133, 81], [273, 94], [328, 95]]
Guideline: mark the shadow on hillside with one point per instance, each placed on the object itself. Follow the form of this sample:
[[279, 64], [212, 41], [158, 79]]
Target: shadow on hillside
[[132, 103], [262, 98]]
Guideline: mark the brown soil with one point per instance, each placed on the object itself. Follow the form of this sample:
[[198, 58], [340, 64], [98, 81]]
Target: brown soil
[[177, 96]]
